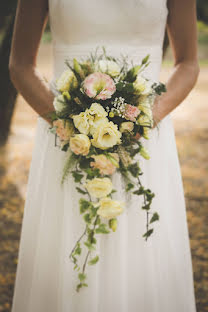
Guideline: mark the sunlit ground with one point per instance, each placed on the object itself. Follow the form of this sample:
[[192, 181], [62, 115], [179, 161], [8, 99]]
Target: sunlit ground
[[191, 128]]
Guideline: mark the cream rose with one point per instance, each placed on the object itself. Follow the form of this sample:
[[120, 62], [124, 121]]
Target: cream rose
[[109, 208], [97, 111], [80, 144], [109, 67], [67, 81], [99, 187], [97, 123], [126, 126], [106, 135], [82, 122]]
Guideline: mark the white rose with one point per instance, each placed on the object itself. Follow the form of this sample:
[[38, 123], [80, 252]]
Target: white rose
[[67, 81], [99, 187], [109, 208], [59, 103], [109, 67], [142, 85]]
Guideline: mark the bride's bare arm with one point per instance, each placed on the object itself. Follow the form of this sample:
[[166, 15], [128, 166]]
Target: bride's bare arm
[[31, 17], [182, 31]]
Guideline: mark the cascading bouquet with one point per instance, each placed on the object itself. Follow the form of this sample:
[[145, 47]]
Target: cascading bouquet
[[101, 105]]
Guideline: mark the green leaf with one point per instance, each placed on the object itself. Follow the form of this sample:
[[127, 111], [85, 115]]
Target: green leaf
[[87, 218], [82, 276], [148, 233], [80, 190], [149, 195], [70, 162], [84, 163], [65, 147], [77, 176], [145, 59], [134, 169], [78, 287], [89, 246], [132, 73], [102, 229], [159, 88], [140, 191], [129, 187], [78, 250], [84, 205], [92, 173], [93, 240], [94, 260], [85, 284], [155, 217], [146, 207]]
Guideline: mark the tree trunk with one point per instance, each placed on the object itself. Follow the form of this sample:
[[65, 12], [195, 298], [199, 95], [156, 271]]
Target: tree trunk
[[7, 90]]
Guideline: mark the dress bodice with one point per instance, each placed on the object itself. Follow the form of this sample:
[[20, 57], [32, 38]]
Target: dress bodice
[[133, 27]]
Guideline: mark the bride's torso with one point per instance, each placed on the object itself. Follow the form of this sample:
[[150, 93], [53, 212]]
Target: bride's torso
[[133, 27]]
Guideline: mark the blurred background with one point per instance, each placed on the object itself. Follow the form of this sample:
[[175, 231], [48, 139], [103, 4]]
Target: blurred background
[[17, 130]]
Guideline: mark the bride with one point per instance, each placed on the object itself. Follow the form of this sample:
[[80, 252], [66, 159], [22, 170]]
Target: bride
[[132, 274]]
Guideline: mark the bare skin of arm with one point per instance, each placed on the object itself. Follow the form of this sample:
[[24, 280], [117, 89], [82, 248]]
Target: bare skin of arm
[[182, 33], [31, 18], [30, 22]]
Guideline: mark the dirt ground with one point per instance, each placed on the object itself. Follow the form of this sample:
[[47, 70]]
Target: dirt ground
[[191, 129]]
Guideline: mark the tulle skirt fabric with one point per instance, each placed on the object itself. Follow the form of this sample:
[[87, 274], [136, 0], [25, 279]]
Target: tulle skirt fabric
[[132, 275]]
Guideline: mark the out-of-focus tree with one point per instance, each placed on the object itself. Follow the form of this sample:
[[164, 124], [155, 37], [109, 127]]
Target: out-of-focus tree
[[7, 90], [202, 10]]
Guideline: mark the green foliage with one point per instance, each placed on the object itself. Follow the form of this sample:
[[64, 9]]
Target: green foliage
[[202, 32], [89, 245], [102, 229], [129, 187], [148, 233], [134, 169], [77, 176], [159, 88], [84, 205], [155, 217], [69, 164], [81, 191], [94, 260], [125, 87]]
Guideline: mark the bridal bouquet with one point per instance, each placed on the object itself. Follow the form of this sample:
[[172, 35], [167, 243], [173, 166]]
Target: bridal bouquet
[[102, 107]]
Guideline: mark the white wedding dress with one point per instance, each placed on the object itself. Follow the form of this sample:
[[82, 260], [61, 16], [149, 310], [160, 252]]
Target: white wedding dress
[[132, 275]]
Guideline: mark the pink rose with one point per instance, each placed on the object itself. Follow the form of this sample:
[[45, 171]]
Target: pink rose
[[104, 164], [64, 129], [99, 86], [131, 112]]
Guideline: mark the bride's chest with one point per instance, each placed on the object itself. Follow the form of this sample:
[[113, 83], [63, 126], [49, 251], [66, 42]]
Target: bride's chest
[[119, 13]]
